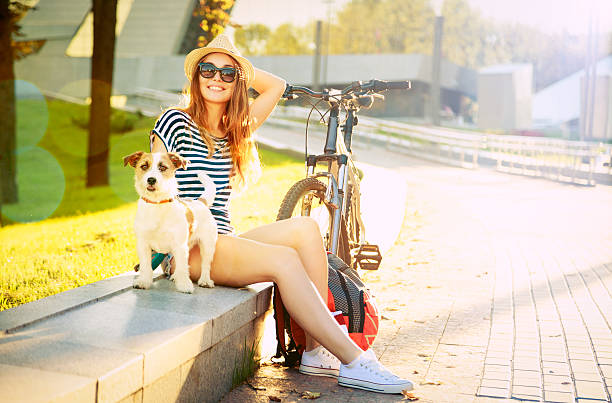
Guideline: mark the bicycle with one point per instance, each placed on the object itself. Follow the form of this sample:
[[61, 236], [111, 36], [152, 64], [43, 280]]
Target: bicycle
[[335, 205]]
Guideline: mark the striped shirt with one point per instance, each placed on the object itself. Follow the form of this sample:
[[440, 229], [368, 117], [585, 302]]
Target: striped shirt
[[180, 134]]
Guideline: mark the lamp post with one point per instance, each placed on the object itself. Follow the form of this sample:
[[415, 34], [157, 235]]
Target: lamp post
[[329, 4], [435, 63]]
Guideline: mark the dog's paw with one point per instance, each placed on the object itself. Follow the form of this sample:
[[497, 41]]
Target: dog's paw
[[184, 285], [144, 283], [208, 283]]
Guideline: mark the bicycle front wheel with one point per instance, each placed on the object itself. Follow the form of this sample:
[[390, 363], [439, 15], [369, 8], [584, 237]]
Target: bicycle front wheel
[[307, 198]]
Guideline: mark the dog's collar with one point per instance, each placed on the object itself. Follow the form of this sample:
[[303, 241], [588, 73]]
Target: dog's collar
[[154, 202]]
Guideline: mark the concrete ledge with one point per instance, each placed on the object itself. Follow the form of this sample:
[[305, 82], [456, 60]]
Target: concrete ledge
[[107, 342]]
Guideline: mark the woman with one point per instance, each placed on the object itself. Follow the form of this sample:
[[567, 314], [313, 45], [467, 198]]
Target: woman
[[214, 133]]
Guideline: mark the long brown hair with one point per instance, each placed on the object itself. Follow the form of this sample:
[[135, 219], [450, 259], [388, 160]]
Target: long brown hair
[[235, 122]]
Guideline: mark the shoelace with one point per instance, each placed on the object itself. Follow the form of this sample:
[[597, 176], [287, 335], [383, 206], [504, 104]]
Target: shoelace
[[376, 367], [329, 355]]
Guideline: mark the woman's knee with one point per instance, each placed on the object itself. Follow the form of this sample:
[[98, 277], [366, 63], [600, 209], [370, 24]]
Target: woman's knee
[[304, 228], [285, 262]]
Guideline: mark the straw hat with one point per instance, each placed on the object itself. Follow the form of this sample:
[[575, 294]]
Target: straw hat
[[221, 44]]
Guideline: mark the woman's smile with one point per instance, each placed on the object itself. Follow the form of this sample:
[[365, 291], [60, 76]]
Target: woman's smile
[[215, 87]]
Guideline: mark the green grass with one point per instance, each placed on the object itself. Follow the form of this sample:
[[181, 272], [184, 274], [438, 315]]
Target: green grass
[[63, 235], [245, 363]]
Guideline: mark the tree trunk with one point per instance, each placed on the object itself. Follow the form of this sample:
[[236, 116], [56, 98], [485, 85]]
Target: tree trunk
[[8, 144], [102, 62]]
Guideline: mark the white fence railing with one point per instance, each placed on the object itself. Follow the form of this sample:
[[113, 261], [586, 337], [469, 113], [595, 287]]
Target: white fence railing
[[557, 159]]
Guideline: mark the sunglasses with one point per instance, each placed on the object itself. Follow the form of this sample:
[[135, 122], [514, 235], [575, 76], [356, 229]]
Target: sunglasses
[[208, 70]]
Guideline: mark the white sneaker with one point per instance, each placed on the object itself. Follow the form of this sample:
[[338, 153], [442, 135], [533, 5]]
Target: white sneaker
[[319, 362], [369, 374]]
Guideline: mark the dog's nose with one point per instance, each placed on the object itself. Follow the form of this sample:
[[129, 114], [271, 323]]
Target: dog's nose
[[151, 181]]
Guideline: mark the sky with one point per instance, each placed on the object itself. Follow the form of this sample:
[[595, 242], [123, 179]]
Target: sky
[[549, 15]]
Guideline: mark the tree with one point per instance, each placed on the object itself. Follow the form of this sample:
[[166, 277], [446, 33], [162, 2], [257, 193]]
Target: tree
[[288, 39], [10, 50], [251, 40], [461, 42], [208, 19], [102, 62], [361, 28]]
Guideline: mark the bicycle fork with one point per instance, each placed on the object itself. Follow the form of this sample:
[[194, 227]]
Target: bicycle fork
[[334, 195], [335, 190]]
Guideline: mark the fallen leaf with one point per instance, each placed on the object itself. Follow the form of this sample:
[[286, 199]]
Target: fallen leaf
[[566, 383], [255, 387], [310, 395], [422, 355], [409, 396], [450, 366], [274, 398], [419, 321], [383, 317], [430, 383], [415, 372]]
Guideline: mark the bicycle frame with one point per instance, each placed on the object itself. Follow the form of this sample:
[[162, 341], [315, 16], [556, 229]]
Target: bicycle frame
[[341, 173]]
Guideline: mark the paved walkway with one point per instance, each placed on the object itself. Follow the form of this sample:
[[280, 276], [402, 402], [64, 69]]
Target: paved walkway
[[499, 287]]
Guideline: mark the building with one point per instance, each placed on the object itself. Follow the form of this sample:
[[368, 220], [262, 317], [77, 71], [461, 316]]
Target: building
[[558, 106]]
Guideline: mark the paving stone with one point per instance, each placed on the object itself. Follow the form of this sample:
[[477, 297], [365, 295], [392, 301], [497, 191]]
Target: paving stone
[[498, 375], [530, 382], [554, 357], [587, 376], [494, 383], [567, 387], [526, 366], [560, 397], [606, 370], [590, 390], [497, 361], [493, 392], [583, 366], [557, 379], [579, 356], [501, 355], [604, 361]]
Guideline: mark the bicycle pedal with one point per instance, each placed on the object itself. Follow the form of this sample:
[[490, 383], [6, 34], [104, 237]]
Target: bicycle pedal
[[368, 257]]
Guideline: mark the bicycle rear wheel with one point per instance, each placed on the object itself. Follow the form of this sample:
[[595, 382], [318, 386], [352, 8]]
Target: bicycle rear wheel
[[307, 198]]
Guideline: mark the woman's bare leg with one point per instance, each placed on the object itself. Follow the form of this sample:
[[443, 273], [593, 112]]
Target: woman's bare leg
[[240, 261], [303, 235]]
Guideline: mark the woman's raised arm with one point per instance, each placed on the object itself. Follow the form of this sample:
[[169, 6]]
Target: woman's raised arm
[[270, 89]]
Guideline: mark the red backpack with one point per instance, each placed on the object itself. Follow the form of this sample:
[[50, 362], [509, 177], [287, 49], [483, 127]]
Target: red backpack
[[349, 300]]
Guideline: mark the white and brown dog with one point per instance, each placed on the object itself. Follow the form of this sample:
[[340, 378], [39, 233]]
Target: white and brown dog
[[167, 224]]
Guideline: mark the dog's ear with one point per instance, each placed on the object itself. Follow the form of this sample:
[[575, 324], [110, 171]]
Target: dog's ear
[[132, 159], [177, 160]]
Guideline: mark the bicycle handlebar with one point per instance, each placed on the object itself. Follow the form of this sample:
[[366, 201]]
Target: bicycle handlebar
[[372, 86]]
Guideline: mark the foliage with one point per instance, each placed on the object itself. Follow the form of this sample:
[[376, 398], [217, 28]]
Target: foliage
[[21, 49], [208, 19], [245, 366], [251, 39], [384, 26], [288, 39]]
